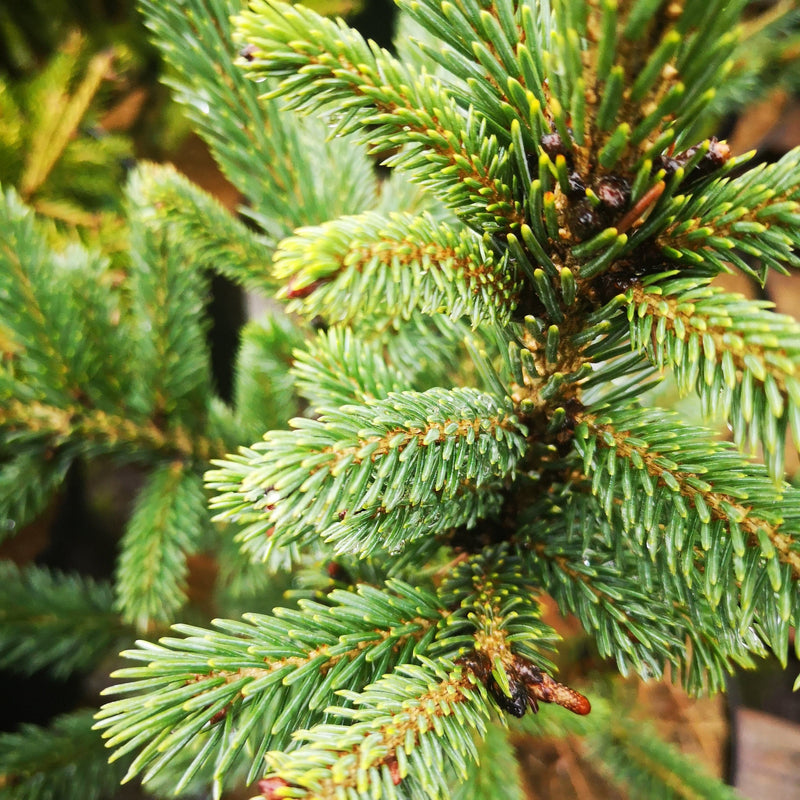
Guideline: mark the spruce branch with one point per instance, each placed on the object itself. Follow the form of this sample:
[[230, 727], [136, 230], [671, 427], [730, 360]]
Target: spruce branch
[[378, 475], [701, 511], [262, 148], [539, 68], [355, 267], [737, 220], [66, 761], [630, 754], [48, 362], [496, 771], [169, 338], [54, 621], [75, 429], [370, 91], [248, 685], [740, 358], [163, 198], [496, 613], [60, 113], [337, 368], [572, 550], [166, 526], [429, 349], [637, 758], [765, 53], [27, 481], [578, 216], [404, 729], [264, 392]]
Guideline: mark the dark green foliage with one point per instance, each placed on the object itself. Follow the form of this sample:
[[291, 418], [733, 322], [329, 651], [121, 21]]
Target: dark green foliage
[[55, 622], [63, 762]]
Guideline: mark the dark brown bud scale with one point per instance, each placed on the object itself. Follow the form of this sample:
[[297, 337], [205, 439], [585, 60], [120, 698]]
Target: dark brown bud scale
[[584, 219], [719, 153], [577, 186], [516, 704], [553, 145], [614, 192]]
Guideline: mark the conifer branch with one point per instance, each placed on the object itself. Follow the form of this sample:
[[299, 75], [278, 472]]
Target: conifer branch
[[27, 481], [734, 220], [264, 395], [404, 727], [163, 198], [262, 148], [336, 368], [250, 684], [740, 358], [578, 216], [94, 432], [53, 621], [366, 88], [169, 340], [496, 612], [61, 114], [496, 771], [358, 473], [66, 761], [166, 526], [571, 550], [698, 506], [359, 266], [45, 363], [635, 757]]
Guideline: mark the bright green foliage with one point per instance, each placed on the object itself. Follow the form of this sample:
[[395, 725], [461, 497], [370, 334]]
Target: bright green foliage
[[261, 673], [454, 420], [415, 726], [217, 239], [165, 527], [362, 265], [382, 474], [259, 679], [752, 216]]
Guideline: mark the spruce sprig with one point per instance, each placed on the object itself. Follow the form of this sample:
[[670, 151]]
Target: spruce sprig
[[740, 357], [393, 267], [472, 415], [379, 475], [65, 760], [54, 621]]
